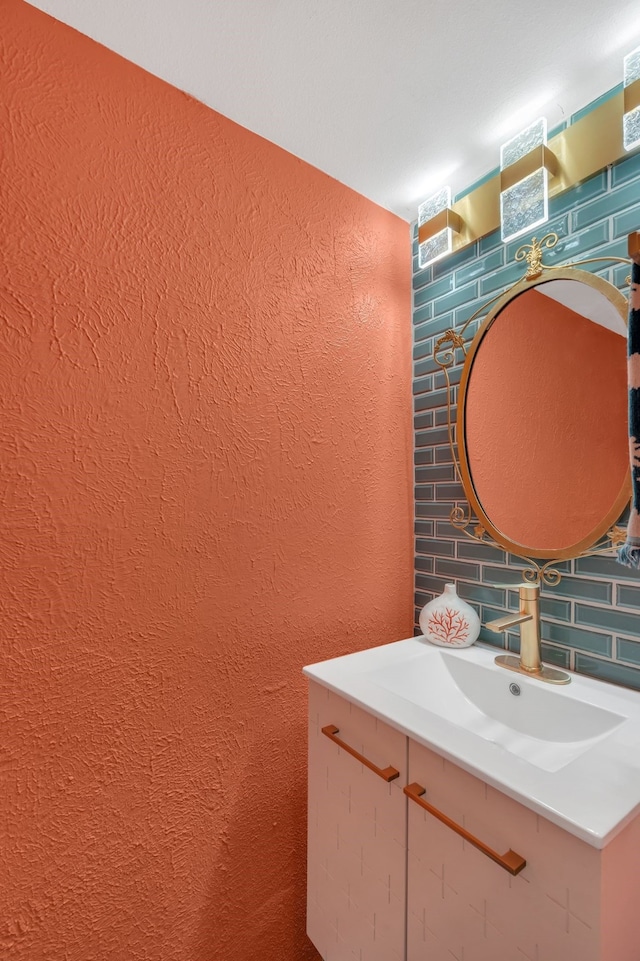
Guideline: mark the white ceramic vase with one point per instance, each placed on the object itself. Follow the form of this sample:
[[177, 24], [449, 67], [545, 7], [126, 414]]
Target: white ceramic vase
[[448, 621]]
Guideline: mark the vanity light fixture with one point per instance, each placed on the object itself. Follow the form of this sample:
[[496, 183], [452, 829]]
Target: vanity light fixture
[[437, 223], [582, 148], [525, 165], [631, 117]]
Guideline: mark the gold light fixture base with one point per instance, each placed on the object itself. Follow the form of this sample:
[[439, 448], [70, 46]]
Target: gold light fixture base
[[631, 95], [540, 156], [446, 218], [549, 674], [576, 153]]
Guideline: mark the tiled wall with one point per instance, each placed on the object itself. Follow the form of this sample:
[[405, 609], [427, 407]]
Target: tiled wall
[[591, 620]]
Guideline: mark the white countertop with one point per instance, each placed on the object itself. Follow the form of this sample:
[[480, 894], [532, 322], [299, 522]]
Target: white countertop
[[593, 795]]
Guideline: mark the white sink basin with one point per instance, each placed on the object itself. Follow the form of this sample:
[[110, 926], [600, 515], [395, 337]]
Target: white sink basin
[[570, 753], [541, 724]]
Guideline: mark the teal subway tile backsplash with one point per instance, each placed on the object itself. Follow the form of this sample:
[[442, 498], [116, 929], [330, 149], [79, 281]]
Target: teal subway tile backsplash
[[608, 618], [468, 550], [584, 192], [426, 366], [628, 221], [605, 567], [423, 438], [556, 656], [489, 637], [454, 374], [449, 492], [493, 596], [435, 546], [616, 200], [432, 509], [432, 291], [423, 420], [422, 384], [443, 455], [426, 330], [455, 299], [589, 590], [437, 398], [629, 651], [550, 607], [611, 671], [456, 261], [424, 564], [619, 278], [430, 584], [423, 349], [499, 280], [423, 528], [627, 169], [441, 416], [423, 313], [438, 472], [628, 596], [490, 242], [503, 575], [446, 529], [616, 248], [591, 620], [583, 244], [479, 267], [571, 636], [439, 435], [556, 225], [456, 569], [432, 328]]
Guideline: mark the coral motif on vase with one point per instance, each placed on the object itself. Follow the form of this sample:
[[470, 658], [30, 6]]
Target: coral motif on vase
[[448, 626]]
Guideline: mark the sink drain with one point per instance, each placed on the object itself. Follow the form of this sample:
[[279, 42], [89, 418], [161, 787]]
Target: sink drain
[[515, 689]]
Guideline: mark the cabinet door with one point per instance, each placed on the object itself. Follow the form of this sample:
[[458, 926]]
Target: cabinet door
[[462, 905], [356, 856]]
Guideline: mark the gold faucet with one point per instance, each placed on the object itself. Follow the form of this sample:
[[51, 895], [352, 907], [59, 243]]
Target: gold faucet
[[530, 661]]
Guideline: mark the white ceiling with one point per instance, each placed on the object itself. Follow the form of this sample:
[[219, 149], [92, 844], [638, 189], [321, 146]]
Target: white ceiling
[[393, 97]]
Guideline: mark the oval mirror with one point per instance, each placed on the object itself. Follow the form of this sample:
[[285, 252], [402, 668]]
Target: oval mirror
[[542, 415]]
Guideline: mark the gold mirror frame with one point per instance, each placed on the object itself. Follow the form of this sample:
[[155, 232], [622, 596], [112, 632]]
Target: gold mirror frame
[[470, 518]]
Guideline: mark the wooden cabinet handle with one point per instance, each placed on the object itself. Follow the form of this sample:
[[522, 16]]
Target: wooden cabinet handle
[[510, 861], [386, 773]]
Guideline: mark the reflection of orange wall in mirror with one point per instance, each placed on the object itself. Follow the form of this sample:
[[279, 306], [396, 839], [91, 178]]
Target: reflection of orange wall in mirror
[[546, 422]]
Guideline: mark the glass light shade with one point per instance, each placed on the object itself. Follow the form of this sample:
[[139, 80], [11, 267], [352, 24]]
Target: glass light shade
[[524, 205], [440, 244], [519, 146], [631, 120]]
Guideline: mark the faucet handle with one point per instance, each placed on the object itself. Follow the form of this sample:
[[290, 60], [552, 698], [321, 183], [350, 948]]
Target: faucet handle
[[504, 623]]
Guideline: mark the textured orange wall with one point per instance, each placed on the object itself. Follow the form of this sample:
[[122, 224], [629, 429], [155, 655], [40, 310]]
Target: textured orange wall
[[205, 484]]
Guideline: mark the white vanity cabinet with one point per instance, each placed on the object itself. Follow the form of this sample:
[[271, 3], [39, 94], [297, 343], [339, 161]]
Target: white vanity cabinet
[[461, 904], [356, 858], [389, 881]]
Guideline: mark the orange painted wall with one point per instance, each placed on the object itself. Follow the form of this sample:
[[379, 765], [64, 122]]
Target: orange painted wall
[[206, 483]]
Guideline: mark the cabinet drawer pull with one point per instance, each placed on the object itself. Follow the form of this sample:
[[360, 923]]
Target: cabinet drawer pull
[[386, 773], [510, 861]]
